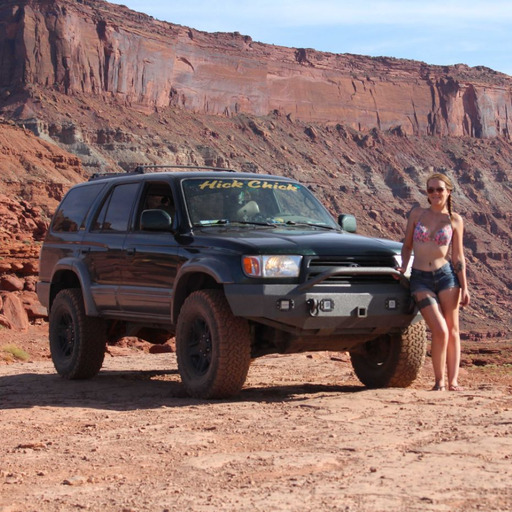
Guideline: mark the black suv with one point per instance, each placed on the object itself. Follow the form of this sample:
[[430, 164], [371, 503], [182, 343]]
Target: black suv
[[235, 265]]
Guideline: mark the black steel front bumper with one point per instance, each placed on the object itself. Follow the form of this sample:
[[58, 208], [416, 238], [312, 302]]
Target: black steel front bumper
[[320, 305]]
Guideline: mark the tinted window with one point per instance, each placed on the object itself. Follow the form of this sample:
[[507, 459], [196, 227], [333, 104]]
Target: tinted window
[[71, 214], [157, 196], [115, 212], [212, 201]]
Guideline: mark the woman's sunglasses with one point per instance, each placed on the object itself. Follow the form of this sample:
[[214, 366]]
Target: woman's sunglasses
[[439, 190]]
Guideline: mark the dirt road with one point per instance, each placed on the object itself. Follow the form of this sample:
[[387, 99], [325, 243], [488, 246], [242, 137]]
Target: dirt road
[[303, 435]]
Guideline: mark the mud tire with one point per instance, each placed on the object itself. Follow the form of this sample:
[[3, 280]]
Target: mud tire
[[392, 360], [213, 347], [77, 341]]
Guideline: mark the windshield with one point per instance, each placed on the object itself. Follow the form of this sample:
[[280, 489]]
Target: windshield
[[264, 201]]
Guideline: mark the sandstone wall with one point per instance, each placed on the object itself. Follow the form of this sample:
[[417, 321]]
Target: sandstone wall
[[92, 47], [99, 87]]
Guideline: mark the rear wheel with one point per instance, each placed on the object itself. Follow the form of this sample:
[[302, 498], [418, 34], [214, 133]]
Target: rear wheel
[[213, 346], [77, 342], [391, 360]]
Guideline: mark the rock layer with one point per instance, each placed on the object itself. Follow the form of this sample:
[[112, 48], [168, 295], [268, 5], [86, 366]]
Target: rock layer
[[92, 47]]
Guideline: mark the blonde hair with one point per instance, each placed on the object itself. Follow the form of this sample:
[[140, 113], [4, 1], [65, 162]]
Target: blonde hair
[[449, 186]]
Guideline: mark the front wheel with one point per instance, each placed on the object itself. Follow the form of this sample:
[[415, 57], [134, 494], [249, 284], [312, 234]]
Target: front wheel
[[212, 345], [77, 341], [391, 360]]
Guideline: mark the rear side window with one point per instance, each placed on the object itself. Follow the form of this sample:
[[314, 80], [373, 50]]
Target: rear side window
[[70, 216], [114, 215]]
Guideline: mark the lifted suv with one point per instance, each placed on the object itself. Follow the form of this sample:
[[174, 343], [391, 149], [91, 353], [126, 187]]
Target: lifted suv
[[235, 265]]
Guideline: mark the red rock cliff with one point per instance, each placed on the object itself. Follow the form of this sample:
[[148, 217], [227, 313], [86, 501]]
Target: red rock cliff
[[92, 47]]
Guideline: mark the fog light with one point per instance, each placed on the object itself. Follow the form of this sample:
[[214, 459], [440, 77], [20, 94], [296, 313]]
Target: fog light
[[391, 304], [327, 305], [285, 304]]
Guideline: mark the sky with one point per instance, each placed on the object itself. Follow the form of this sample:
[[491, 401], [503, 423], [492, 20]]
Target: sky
[[440, 32]]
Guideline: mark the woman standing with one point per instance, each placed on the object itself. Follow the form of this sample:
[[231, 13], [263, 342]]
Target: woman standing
[[438, 278]]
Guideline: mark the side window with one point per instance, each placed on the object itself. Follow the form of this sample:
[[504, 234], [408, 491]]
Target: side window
[[157, 196], [115, 213], [70, 216]]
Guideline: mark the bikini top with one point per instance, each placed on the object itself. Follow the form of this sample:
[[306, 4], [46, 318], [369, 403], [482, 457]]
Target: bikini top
[[442, 237]]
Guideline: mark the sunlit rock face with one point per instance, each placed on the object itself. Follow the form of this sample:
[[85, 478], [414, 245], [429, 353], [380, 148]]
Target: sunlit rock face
[[89, 87], [97, 48]]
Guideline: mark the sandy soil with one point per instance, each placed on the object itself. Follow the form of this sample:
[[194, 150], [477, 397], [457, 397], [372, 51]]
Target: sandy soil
[[303, 435]]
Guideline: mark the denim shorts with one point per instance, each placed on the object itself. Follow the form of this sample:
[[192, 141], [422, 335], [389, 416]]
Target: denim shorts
[[441, 279]]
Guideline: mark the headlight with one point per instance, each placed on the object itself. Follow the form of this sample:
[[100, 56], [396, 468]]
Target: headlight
[[271, 266], [398, 260]]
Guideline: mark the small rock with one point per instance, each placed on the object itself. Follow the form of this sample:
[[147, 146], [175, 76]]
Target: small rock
[[14, 311], [75, 480], [11, 283]]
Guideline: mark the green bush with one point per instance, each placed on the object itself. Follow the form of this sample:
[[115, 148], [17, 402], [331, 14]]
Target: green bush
[[12, 351]]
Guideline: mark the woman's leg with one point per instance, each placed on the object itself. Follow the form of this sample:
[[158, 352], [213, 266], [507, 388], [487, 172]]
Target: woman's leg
[[436, 322], [450, 308]]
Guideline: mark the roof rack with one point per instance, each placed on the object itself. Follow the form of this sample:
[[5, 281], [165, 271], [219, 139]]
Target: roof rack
[[142, 169]]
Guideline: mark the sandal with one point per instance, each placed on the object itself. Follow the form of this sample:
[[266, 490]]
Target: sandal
[[438, 387], [455, 387]]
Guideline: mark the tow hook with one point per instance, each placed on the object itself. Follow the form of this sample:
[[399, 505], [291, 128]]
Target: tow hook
[[313, 307]]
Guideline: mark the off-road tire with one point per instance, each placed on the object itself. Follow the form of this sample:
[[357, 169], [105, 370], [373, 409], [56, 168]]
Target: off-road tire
[[77, 341], [213, 347], [391, 360]]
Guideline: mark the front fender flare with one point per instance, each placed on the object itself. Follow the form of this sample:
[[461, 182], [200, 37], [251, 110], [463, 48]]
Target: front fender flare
[[218, 270]]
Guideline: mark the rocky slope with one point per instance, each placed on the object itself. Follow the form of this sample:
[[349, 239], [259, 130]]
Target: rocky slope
[[34, 176], [104, 88]]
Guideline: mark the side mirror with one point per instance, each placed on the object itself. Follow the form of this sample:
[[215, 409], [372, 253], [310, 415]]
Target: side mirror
[[155, 220], [347, 222]]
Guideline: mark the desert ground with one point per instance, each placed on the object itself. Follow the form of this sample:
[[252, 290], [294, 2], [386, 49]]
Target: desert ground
[[303, 435]]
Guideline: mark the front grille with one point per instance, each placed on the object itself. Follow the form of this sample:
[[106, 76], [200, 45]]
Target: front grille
[[317, 266]]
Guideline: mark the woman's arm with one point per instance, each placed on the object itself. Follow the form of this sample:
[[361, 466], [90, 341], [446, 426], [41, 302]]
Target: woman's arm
[[408, 239], [458, 260]]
